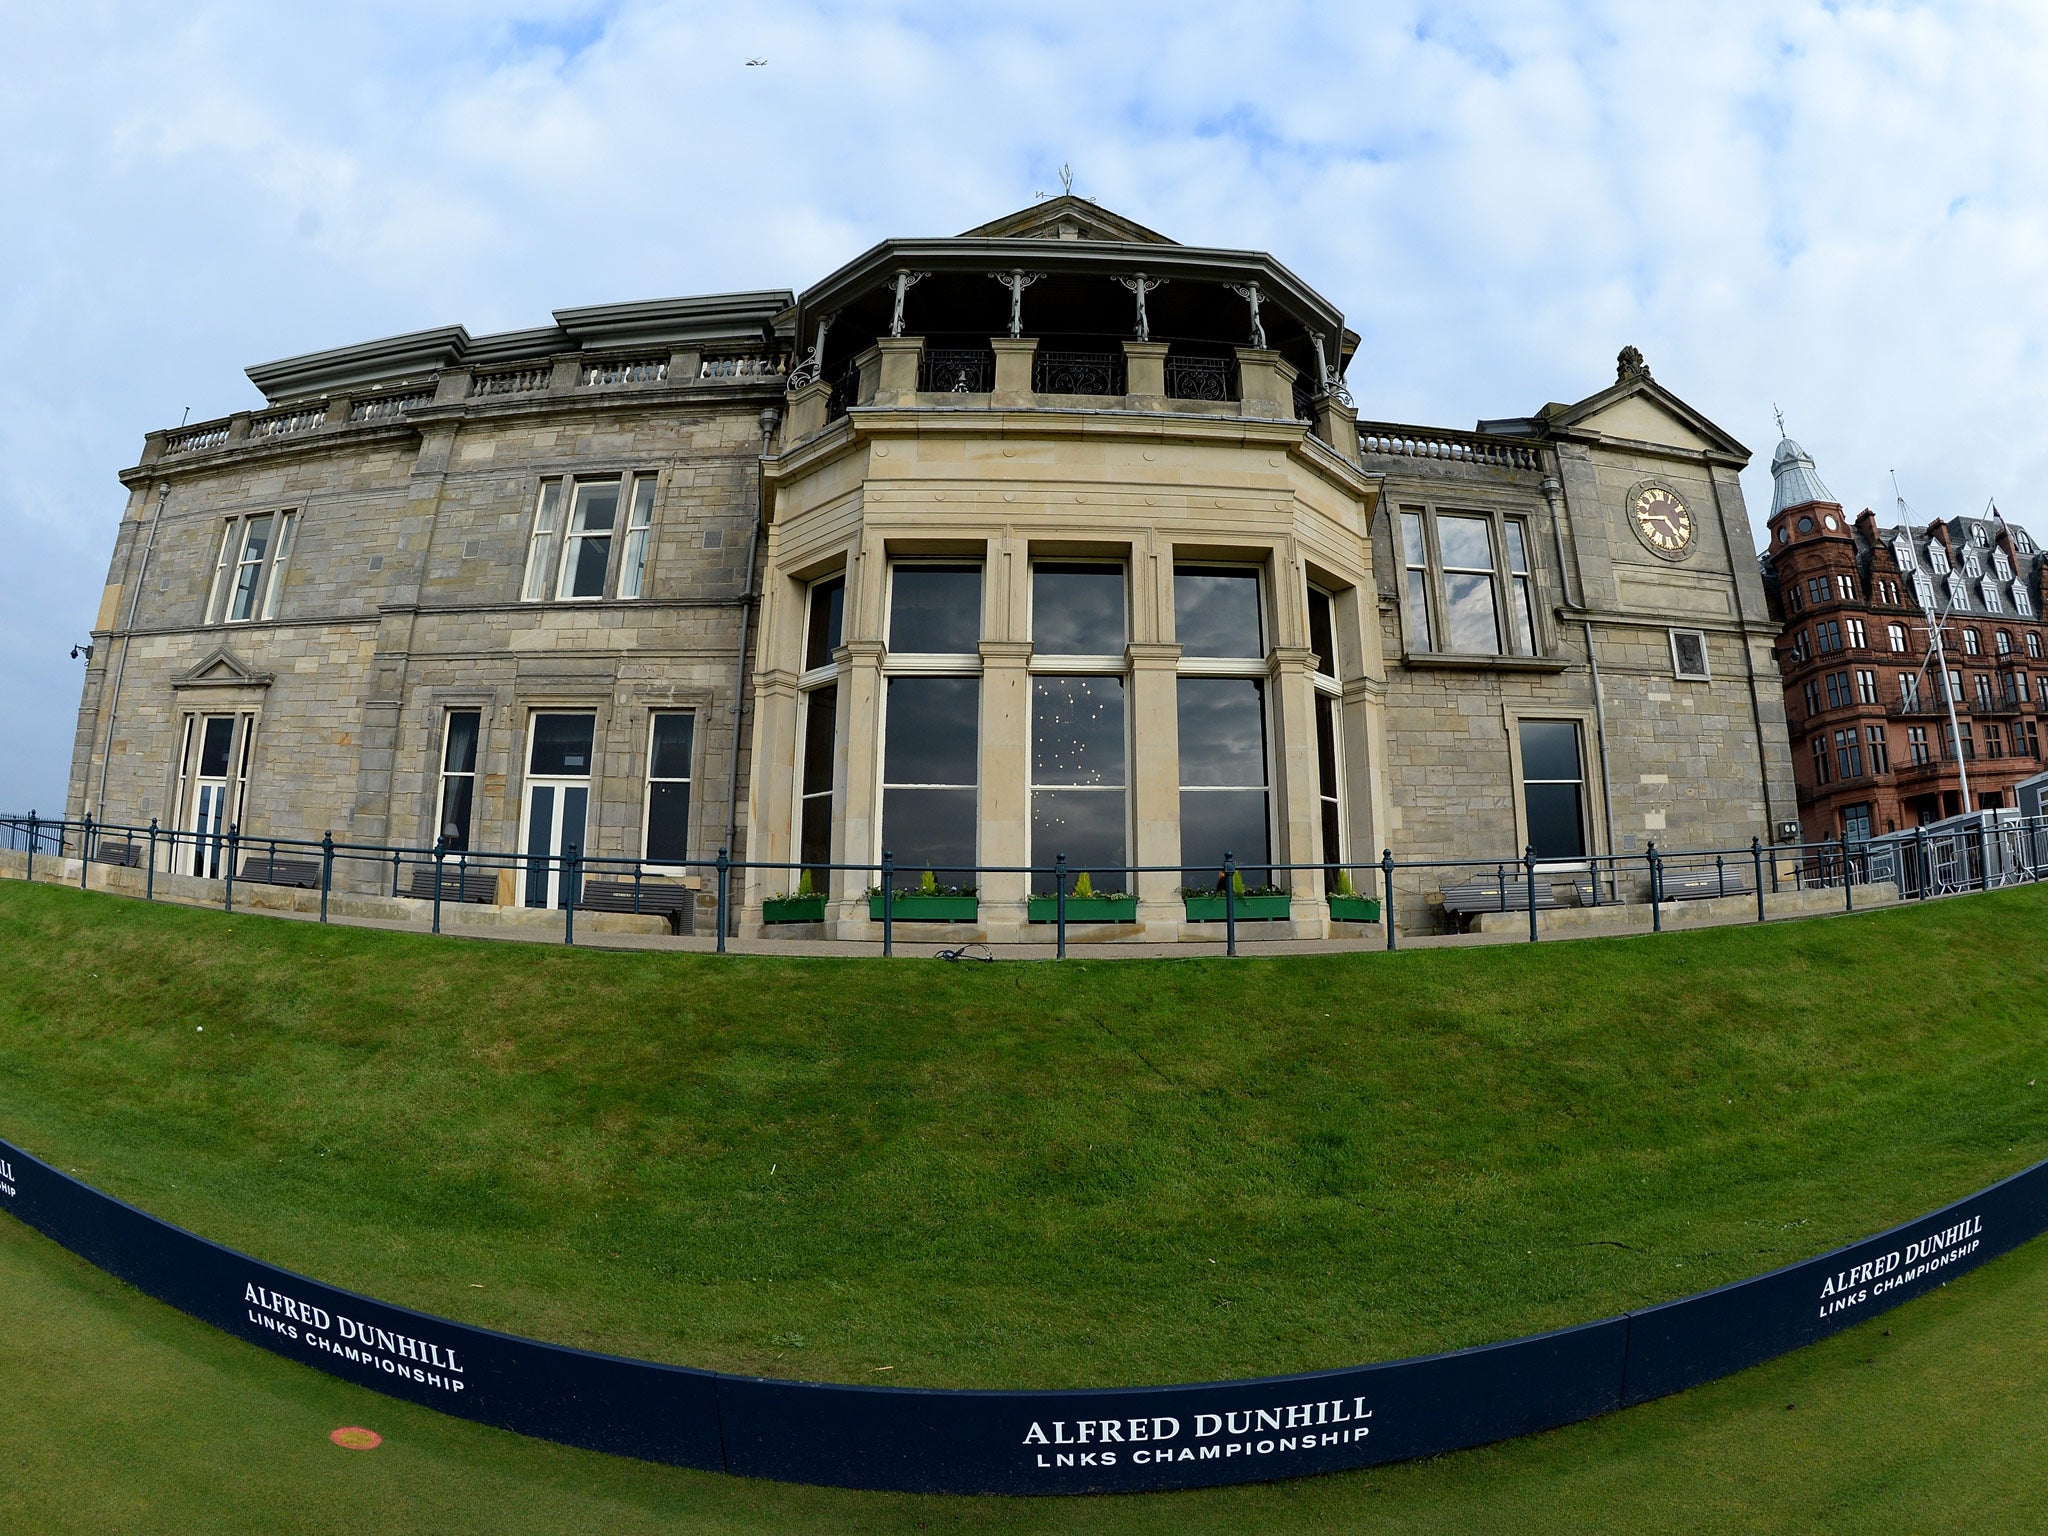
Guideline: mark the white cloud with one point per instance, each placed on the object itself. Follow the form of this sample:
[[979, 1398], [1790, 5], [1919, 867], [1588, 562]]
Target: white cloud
[[1836, 208]]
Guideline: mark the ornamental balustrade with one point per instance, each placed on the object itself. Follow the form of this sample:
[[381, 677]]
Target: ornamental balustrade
[[511, 381], [1066, 372], [957, 370], [741, 366], [387, 407], [1457, 447], [1194, 377], [304, 419], [625, 370], [197, 438]]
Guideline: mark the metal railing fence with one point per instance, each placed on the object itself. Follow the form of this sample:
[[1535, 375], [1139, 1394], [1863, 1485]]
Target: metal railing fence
[[1974, 853]]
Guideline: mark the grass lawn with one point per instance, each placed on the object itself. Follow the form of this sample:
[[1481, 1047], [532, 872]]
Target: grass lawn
[[1099, 1173], [119, 1414]]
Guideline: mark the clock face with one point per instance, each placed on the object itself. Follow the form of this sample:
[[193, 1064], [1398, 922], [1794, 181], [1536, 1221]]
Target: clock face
[[1664, 522]]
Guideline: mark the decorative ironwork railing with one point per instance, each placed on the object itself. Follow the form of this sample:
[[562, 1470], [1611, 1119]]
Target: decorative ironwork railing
[[511, 381], [845, 391], [957, 370], [625, 370], [736, 366], [1200, 378], [304, 419], [197, 439], [1435, 443], [1077, 373], [387, 407], [1304, 402]]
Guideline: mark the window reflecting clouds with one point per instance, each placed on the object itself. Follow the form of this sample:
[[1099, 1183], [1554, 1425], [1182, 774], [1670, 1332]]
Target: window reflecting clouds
[[1216, 612], [1077, 610], [1078, 769], [935, 610]]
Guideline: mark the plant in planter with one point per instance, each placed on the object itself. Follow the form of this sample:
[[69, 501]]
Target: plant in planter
[[806, 905], [928, 902], [1084, 905], [1347, 906], [1262, 903]]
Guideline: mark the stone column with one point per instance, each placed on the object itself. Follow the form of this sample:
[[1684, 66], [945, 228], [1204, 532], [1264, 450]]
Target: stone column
[[1013, 369], [1005, 795], [771, 797], [1265, 384], [1145, 374], [901, 356], [856, 769], [1155, 780], [1297, 788]]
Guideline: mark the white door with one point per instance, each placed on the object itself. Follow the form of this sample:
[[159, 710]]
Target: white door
[[557, 803], [209, 825]]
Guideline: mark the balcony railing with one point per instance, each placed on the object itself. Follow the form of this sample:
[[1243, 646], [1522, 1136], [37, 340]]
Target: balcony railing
[[624, 370], [957, 370], [305, 419], [388, 407], [1077, 373], [1457, 447], [511, 381], [197, 439], [740, 366], [1190, 377]]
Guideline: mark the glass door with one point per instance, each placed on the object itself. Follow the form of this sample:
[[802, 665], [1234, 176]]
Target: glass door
[[209, 823], [557, 804]]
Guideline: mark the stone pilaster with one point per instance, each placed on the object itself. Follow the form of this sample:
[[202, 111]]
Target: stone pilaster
[[1155, 779], [1013, 369], [1005, 777], [1290, 670], [896, 378], [857, 761], [1145, 374]]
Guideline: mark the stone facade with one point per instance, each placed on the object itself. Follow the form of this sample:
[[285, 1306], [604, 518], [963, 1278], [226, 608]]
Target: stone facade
[[881, 421]]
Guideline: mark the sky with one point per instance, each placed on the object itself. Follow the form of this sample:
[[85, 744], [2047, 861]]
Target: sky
[[1839, 210]]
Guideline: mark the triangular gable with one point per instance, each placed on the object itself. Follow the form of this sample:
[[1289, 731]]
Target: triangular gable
[[222, 668], [1639, 409], [1067, 217]]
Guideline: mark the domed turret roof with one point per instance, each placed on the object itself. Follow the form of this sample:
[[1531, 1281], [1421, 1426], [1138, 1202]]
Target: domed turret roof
[[1794, 480]]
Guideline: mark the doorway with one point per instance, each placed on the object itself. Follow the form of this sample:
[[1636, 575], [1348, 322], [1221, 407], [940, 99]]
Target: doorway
[[555, 822]]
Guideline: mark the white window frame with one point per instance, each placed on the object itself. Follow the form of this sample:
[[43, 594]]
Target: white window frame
[[925, 664], [444, 774], [639, 535], [232, 559], [552, 539], [1080, 664], [1237, 666], [810, 682], [649, 780], [1510, 587]]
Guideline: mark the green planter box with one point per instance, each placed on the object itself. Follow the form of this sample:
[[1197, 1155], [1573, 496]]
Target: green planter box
[[1086, 909], [1250, 909], [793, 909], [1355, 909], [913, 908]]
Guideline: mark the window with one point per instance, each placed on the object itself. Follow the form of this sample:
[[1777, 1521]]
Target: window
[[1817, 588], [1079, 754], [1992, 604], [1793, 601], [1902, 554], [1923, 591], [1958, 591], [665, 836], [1972, 644], [1820, 758], [1916, 743], [1969, 743], [1553, 788], [555, 825], [570, 560], [1222, 710], [1937, 557], [1845, 588], [2034, 646], [2019, 687], [1984, 694], [1460, 597], [2026, 741], [1799, 646], [458, 778], [2001, 564], [1849, 753], [1838, 690], [639, 518], [1855, 823], [1866, 687], [1828, 635], [1414, 554], [931, 745], [1909, 692], [1972, 566], [1812, 697], [1895, 636], [1880, 754], [214, 784], [1689, 655], [1322, 630], [2021, 603], [1857, 637], [249, 571], [817, 728], [1994, 740], [2001, 642]]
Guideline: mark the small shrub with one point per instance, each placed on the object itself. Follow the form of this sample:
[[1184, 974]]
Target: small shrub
[[1084, 888]]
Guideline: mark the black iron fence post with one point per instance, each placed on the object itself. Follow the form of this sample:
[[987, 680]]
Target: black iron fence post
[[724, 895], [1387, 893], [1983, 855], [440, 869], [1921, 867], [31, 845], [1059, 876], [326, 869], [1848, 878], [85, 850], [394, 871], [1756, 857], [1230, 903], [569, 894], [234, 847], [1529, 869], [888, 904], [1656, 892], [149, 882]]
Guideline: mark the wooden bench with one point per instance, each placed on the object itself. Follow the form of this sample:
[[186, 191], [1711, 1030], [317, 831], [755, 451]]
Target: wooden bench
[[125, 852], [268, 869], [1469, 898], [675, 900], [1701, 884], [473, 883]]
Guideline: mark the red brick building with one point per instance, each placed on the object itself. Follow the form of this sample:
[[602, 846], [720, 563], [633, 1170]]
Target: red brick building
[[1867, 705]]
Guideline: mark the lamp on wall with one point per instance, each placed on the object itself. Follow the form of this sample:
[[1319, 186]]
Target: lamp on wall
[[83, 648]]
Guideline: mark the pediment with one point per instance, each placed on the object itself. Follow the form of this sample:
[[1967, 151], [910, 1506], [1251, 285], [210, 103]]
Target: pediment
[[1638, 409], [222, 668], [1067, 217]]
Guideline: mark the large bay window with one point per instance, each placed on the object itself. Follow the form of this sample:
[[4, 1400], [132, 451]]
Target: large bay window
[[931, 742], [569, 557], [1079, 740], [1322, 639], [817, 727], [1224, 802], [249, 570], [1468, 586]]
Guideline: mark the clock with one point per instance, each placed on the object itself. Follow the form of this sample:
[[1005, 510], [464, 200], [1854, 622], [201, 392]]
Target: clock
[[1662, 520]]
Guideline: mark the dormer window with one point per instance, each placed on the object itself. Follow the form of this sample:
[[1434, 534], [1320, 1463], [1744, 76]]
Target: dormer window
[[1902, 553], [2021, 603], [1972, 566], [1991, 601], [2026, 544], [1937, 558], [2002, 564], [1980, 534], [1923, 591], [1958, 594]]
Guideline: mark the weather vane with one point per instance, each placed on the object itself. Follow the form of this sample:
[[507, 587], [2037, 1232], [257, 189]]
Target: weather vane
[[1781, 420]]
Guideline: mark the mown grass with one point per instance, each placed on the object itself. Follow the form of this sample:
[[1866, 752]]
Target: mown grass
[[1095, 1173]]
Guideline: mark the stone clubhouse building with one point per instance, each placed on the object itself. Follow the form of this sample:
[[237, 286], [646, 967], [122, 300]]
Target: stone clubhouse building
[[1053, 538]]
